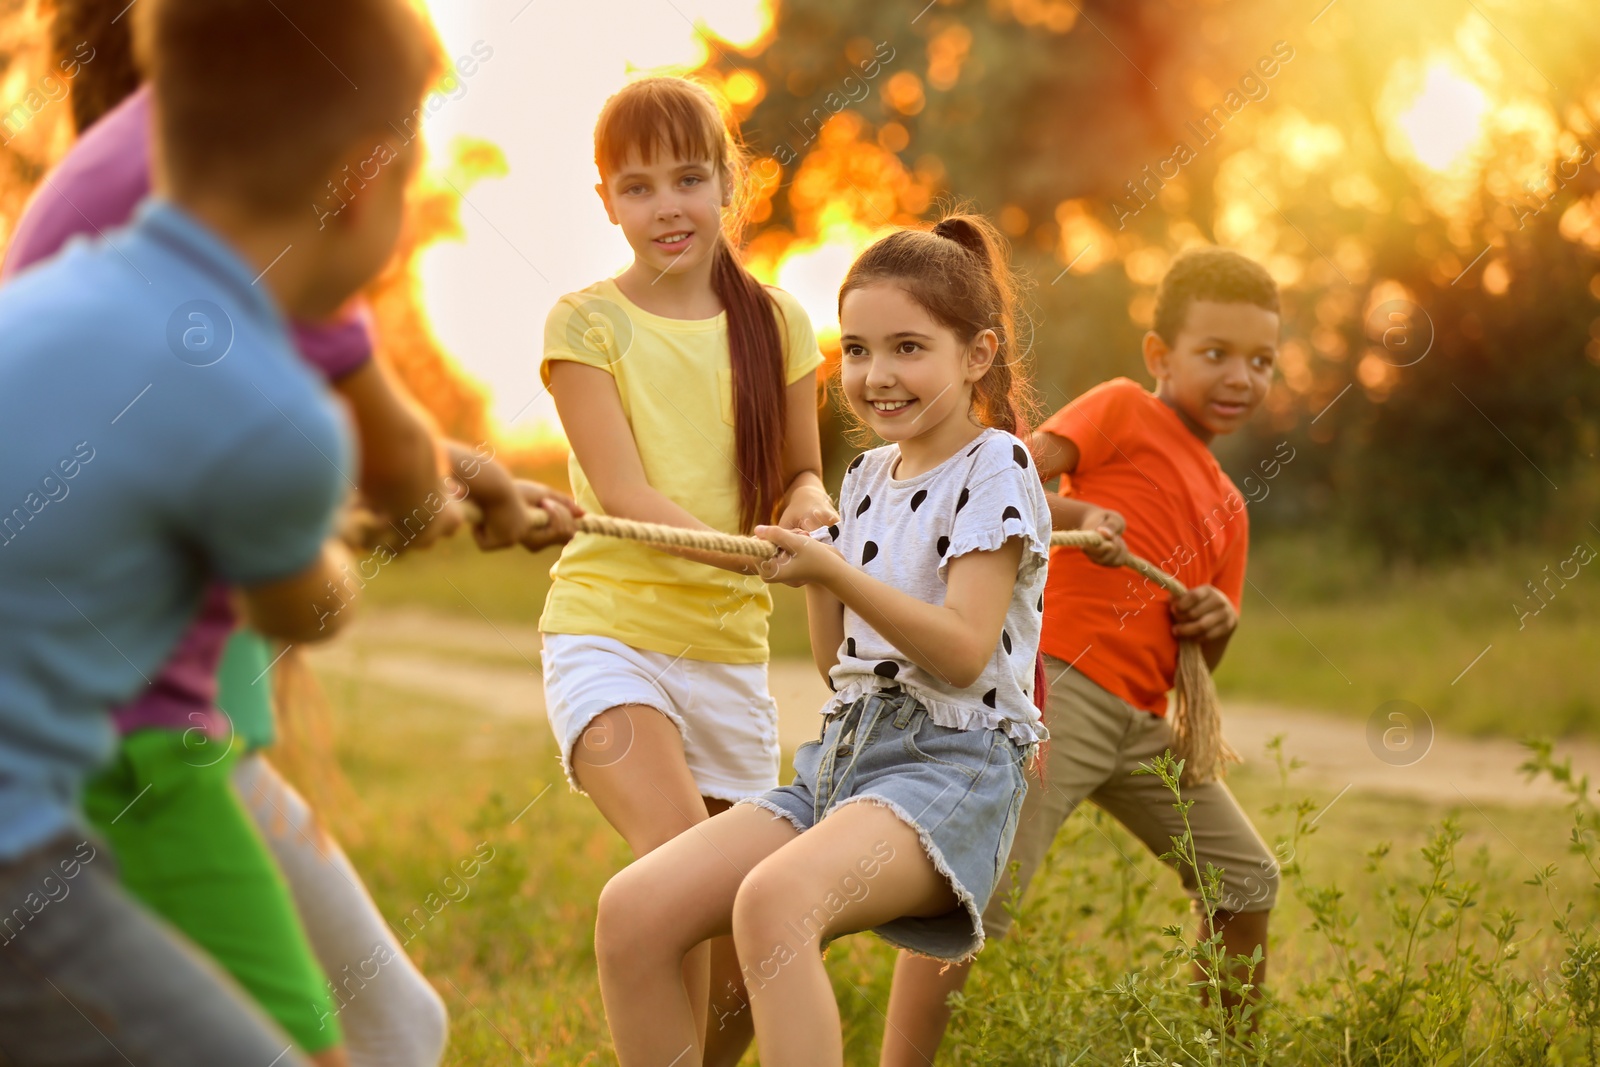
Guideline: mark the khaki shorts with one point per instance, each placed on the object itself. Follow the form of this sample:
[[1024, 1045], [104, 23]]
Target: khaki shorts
[[1097, 741]]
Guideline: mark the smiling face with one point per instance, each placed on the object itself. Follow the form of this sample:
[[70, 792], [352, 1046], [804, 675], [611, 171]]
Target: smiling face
[[905, 374], [1219, 366], [670, 210]]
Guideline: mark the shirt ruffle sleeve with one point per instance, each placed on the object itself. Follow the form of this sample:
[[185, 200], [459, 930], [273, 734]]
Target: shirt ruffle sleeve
[[1004, 499]]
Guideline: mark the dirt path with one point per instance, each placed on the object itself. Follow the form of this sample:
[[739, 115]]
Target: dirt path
[[493, 668]]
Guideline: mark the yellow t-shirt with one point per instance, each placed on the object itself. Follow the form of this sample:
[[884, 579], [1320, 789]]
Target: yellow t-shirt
[[675, 381]]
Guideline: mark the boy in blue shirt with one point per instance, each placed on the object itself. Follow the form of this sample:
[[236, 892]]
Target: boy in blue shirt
[[160, 432]]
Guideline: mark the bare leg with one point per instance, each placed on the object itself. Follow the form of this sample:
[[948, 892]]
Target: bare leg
[[919, 1009], [815, 887], [729, 1024], [656, 911], [1242, 933], [630, 761], [332, 1057]]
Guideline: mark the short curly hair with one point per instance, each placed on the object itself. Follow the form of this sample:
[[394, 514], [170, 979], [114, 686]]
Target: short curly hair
[[1210, 273]]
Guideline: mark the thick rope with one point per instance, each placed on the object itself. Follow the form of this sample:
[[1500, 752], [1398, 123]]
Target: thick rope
[[1196, 714], [672, 536]]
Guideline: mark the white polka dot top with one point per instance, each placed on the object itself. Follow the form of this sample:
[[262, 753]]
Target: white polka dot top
[[904, 533]]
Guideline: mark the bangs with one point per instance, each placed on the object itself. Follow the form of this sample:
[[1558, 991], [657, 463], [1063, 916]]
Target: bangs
[[666, 117]]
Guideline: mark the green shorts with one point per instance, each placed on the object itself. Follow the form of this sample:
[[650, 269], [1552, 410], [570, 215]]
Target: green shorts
[[187, 848]]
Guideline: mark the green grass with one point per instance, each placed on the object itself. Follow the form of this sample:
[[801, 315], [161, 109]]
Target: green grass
[[1394, 942], [513, 957], [1322, 628]]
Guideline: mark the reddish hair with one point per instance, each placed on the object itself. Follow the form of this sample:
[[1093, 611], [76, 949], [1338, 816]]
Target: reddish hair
[[680, 119], [960, 273]]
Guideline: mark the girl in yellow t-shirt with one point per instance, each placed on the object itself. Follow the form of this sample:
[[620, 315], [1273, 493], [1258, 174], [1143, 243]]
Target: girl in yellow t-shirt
[[688, 393]]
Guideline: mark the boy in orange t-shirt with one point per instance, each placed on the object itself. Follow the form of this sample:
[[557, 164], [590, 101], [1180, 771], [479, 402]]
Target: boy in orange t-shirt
[[1110, 640]]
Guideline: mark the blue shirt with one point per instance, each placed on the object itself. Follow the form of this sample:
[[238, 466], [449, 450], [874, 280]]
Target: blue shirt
[[157, 431]]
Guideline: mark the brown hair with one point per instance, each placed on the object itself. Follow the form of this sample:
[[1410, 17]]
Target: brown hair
[[109, 75], [260, 99], [960, 273], [1210, 273], [680, 119]]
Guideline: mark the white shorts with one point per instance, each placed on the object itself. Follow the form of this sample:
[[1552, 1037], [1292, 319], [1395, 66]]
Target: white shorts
[[723, 711]]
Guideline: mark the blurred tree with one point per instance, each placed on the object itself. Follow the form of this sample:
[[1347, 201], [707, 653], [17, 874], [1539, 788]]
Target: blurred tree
[[406, 342], [1420, 178], [32, 129]]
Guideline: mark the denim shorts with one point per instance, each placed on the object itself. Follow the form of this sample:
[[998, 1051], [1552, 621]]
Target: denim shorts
[[960, 789]]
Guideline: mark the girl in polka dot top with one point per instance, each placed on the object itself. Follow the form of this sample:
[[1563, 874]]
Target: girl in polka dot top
[[925, 609]]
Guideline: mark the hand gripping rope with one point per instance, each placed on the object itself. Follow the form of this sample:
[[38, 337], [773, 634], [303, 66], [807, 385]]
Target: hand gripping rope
[[1196, 715]]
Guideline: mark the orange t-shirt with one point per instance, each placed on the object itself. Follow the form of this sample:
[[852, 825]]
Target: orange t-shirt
[[1184, 514]]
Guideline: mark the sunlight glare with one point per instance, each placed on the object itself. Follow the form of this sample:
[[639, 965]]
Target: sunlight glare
[[1445, 121], [540, 231]]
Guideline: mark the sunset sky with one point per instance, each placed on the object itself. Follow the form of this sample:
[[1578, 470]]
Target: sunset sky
[[543, 70], [540, 231]]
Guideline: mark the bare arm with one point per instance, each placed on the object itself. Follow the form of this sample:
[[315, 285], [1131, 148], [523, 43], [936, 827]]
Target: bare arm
[[1068, 512], [1215, 649], [1054, 456], [825, 618], [806, 503], [504, 503], [307, 607], [591, 413], [954, 640], [400, 460], [597, 428]]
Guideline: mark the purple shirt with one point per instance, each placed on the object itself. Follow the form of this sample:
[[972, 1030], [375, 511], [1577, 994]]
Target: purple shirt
[[93, 190]]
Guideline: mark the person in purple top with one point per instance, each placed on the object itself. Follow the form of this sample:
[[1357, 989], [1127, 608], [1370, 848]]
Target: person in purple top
[[174, 731]]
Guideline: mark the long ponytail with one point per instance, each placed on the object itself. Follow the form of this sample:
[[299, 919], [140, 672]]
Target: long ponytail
[[755, 351]]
